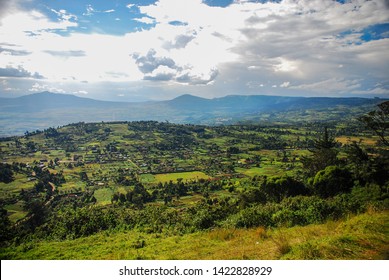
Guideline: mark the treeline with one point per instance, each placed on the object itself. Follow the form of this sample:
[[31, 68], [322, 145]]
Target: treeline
[[71, 221]]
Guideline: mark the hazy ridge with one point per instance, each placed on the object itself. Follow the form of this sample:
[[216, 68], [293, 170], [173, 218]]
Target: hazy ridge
[[45, 109]]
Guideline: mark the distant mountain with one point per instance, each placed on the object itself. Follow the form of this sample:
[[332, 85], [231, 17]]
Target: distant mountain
[[263, 103], [47, 101], [45, 109]]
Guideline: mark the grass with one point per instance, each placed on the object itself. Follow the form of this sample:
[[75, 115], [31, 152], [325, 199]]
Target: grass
[[269, 170], [147, 178], [103, 196], [365, 236], [16, 186], [371, 141], [165, 178], [15, 211]]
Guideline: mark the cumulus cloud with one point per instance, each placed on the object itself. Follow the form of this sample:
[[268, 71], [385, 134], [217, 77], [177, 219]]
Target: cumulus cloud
[[12, 50], [21, 23], [151, 62], [199, 78], [296, 46], [4, 6], [161, 73], [145, 20], [18, 73], [36, 87], [180, 41], [160, 68]]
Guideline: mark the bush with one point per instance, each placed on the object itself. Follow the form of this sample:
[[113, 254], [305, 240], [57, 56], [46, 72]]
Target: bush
[[331, 181], [302, 210], [255, 216], [278, 188]]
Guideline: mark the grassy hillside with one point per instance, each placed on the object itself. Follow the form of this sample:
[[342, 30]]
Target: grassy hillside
[[364, 236]]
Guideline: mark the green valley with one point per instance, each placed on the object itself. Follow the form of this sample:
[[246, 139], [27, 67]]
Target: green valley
[[159, 190]]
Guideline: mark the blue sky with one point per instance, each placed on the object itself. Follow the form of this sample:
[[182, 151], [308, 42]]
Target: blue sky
[[135, 50]]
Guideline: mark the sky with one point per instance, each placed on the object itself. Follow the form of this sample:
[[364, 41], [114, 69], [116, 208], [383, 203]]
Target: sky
[[138, 50]]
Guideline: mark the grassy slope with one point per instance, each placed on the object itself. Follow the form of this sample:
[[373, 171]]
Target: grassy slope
[[365, 236]]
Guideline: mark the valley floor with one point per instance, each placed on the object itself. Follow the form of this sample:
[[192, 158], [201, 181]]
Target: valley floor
[[362, 237]]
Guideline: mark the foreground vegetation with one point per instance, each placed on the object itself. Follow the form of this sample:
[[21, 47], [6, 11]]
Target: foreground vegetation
[[152, 190], [360, 237]]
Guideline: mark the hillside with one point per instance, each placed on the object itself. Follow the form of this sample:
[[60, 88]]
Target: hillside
[[43, 110], [167, 191], [343, 240]]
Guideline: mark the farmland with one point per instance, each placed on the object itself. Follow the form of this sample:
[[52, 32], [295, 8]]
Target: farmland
[[90, 182]]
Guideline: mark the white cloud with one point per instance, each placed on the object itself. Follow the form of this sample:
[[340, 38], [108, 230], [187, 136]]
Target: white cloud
[[33, 22], [36, 87], [146, 20], [64, 15], [81, 92], [89, 10], [284, 65], [161, 73], [285, 84], [302, 45], [333, 85]]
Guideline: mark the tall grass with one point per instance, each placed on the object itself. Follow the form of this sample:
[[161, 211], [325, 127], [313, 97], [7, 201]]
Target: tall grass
[[365, 236]]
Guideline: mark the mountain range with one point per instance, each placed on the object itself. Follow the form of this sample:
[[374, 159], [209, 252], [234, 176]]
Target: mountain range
[[46, 109]]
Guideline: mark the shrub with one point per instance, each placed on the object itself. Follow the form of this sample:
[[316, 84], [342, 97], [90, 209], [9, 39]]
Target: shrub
[[302, 210], [255, 216], [278, 188], [331, 181]]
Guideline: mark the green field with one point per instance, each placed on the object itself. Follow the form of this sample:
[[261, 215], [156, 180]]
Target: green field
[[103, 196], [149, 190], [185, 176], [16, 211]]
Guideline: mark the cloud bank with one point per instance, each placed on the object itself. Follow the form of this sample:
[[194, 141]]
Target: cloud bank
[[289, 47]]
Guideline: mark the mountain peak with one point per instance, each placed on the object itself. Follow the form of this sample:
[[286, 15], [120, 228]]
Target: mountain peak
[[188, 97], [45, 93]]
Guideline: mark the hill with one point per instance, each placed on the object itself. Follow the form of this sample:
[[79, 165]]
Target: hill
[[47, 101], [43, 110]]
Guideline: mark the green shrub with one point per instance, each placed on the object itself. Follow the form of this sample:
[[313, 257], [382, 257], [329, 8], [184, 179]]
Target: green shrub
[[258, 215], [278, 188], [331, 181], [302, 210]]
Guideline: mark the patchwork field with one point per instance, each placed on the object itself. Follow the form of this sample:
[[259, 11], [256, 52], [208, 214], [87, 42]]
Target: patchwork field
[[149, 190]]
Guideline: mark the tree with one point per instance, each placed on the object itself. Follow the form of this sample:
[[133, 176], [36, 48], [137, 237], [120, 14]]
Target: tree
[[378, 121], [332, 181], [277, 188], [358, 161], [323, 154], [5, 226], [6, 173], [37, 213]]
